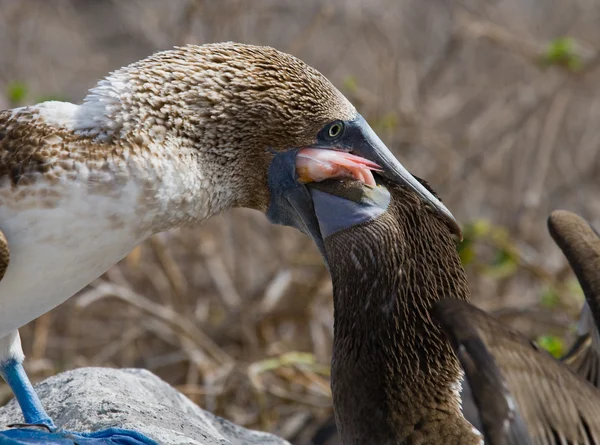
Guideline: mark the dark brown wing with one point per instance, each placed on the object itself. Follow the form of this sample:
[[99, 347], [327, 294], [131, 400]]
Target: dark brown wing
[[498, 415], [580, 244], [584, 355], [556, 404]]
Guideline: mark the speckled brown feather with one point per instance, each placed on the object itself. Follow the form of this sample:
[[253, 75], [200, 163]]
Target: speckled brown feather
[[31, 149], [228, 103], [394, 375]]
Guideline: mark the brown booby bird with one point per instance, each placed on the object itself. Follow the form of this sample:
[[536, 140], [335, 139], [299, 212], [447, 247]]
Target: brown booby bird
[[405, 335], [167, 141], [553, 403], [580, 244]]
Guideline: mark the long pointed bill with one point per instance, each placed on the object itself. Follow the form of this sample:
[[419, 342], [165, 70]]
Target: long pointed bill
[[361, 140], [355, 154]]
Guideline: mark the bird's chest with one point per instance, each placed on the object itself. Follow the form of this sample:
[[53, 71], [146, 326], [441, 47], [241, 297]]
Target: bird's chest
[[61, 237]]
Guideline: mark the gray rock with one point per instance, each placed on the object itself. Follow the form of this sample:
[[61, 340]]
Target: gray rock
[[90, 399]]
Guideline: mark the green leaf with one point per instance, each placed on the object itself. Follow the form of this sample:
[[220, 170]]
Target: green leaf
[[386, 123], [504, 265], [561, 51], [481, 228], [549, 298], [466, 252], [350, 84], [575, 290], [16, 92], [553, 344]]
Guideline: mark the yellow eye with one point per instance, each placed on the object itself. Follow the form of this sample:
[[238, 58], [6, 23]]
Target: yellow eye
[[334, 130]]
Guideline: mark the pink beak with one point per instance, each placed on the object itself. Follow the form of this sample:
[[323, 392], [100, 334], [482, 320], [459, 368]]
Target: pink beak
[[316, 165]]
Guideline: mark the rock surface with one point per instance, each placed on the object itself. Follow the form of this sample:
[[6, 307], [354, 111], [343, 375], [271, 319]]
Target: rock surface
[[90, 399]]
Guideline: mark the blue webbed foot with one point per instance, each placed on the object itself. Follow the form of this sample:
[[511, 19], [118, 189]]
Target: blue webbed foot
[[39, 427], [110, 436]]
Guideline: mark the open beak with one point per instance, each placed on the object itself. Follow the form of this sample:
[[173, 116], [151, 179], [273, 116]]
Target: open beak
[[359, 139], [356, 154], [316, 165]]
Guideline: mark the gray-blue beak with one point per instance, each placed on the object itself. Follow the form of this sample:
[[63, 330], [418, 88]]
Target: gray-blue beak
[[360, 139], [292, 204]]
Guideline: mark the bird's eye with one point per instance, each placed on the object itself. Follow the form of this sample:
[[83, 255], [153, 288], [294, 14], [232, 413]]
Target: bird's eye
[[334, 130]]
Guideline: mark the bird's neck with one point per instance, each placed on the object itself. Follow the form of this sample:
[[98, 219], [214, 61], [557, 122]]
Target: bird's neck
[[196, 164], [395, 379], [177, 186]]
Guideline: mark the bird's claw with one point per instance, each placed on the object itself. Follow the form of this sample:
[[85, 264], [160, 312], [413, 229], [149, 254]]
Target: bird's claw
[[31, 425]]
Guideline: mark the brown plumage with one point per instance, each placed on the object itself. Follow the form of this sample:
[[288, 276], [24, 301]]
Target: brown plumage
[[581, 245], [489, 397], [556, 404], [395, 375], [220, 105], [583, 356]]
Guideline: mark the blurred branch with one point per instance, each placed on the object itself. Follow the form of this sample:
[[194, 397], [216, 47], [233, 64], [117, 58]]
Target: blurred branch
[[548, 137], [218, 272], [170, 268], [470, 27], [174, 320], [324, 14], [189, 14]]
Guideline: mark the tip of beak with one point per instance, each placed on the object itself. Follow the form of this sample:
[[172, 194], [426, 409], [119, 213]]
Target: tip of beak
[[453, 225], [456, 231]]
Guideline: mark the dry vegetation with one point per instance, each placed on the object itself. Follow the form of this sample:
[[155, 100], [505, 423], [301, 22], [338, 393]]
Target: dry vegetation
[[485, 99]]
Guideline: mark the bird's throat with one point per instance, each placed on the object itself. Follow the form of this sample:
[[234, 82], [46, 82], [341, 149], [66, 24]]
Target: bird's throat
[[394, 375]]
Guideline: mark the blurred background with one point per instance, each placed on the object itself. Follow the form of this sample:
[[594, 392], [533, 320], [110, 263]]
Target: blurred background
[[496, 103]]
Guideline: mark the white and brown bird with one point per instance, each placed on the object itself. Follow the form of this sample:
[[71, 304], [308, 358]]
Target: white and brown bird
[[167, 141]]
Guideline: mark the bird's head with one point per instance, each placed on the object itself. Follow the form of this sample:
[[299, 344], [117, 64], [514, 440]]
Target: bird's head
[[259, 122]]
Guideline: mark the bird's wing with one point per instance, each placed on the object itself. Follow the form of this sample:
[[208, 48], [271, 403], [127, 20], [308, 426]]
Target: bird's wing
[[584, 354], [40, 141], [22, 145], [498, 416], [581, 246], [327, 434], [502, 366]]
